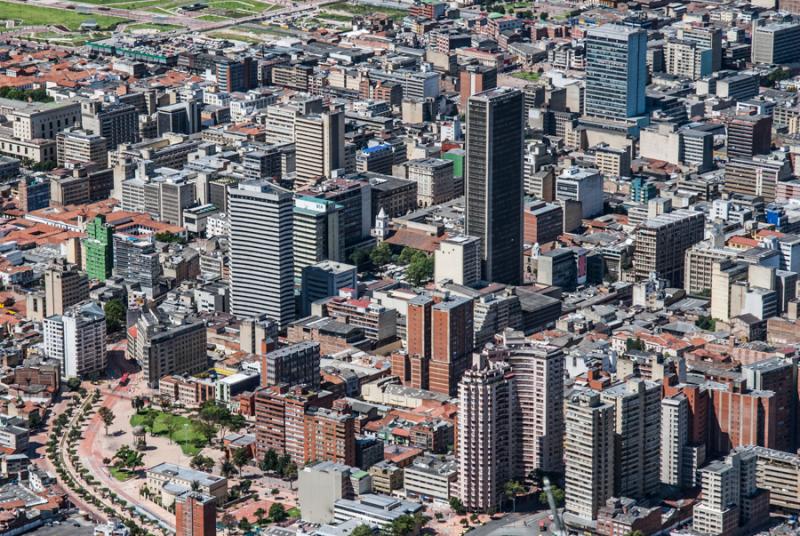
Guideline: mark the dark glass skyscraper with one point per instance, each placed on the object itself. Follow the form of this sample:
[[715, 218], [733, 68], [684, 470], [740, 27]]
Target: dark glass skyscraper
[[493, 181]]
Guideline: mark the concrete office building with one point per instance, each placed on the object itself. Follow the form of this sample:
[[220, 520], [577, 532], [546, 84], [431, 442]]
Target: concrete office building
[[319, 146], [539, 379], [583, 185], [493, 179], [261, 262], [434, 178], [296, 364], [458, 259], [687, 60], [776, 43], [749, 135], [318, 233], [326, 279], [757, 176], [79, 146], [64, 286], [724, 275], [117, 122], [706, 37], [40, 120], [699, 263], [179, 118], [77, 339], [475, 79], [486, 453], [661, 244], [616, 71], [164, 349], [557, 267], [637, 431], [778, 473], [319, 486], [589, 454]]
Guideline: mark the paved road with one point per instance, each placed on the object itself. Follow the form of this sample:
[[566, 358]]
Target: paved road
[[524, 522]]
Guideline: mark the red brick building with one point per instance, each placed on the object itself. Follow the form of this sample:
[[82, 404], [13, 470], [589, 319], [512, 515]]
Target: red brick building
[[195, 515]]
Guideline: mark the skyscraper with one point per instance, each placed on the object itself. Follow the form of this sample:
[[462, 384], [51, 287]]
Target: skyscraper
[[494, 181], [99, 244], [261, 251], [616, 71], [539, 376], [319, 145], [486, 449], [589, 454]]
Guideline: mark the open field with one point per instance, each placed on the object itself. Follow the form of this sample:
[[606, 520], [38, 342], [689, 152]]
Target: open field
[[216, 8], [43, 16], [525, 75], [345, 8]]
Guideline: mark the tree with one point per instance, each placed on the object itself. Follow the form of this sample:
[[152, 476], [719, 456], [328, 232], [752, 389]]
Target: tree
[[558, 495], [74, 383], [407, 525], [381, 255], [277, 513], [169, 237], [706, 323], [634, 344], [202, 463], [512, 489], [228, 521], [127, 458], [270, 461], [240, 458], [244, 525], [457, 506], [107, 417], [420, 269], [362, 530], [115, 315], [226, 468], [137, 403], [360, 258], [260, 513], [406, 255]]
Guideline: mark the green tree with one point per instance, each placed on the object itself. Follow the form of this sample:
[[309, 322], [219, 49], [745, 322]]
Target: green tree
[[362, 530], [361, 259], [169, 237], [115, 315], [260, 513], [226, 468], [107, 416], [240, 458], [270, 462], [244, 525], [74, 383], [512, 489], [277, 513], [558, 495], [706, 323], [406, 255], [407, 525], [202, 463], [381, 255], [457, 506], [420, 269], [634, 344]]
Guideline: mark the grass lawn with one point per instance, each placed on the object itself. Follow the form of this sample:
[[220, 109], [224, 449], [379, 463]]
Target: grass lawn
[[363, 9], [212, 18], [294, 513], [40, 16], [185, 433], [151, 26], [524, 75], [236, 37], [120, 474]]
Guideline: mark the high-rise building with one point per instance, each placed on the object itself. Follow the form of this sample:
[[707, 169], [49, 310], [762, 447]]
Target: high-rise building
[[319, 146], [318, 232], [180, 118], [779, 376], [539, 378], [434, 178], [589, 454], [494, 185], [137, 261], [64, 286], [162, 348], [258, 335], [616, 71], [776, 43], [731, 502], [195, 514], [706, 37], [117, 122], [99, 247], [637, 432], [296, 364], [661, 244], [486, 449], [77, 339], [451, 343], [329, 435], [674, 439], [757, 176], [280, 420], [749, 135], [261, 251]]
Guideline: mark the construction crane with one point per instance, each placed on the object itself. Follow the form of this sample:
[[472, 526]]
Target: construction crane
[[558, 528]]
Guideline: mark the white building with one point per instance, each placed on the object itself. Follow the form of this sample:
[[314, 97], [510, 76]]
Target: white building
[[459, 260], [77, 339], [584, 185]]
